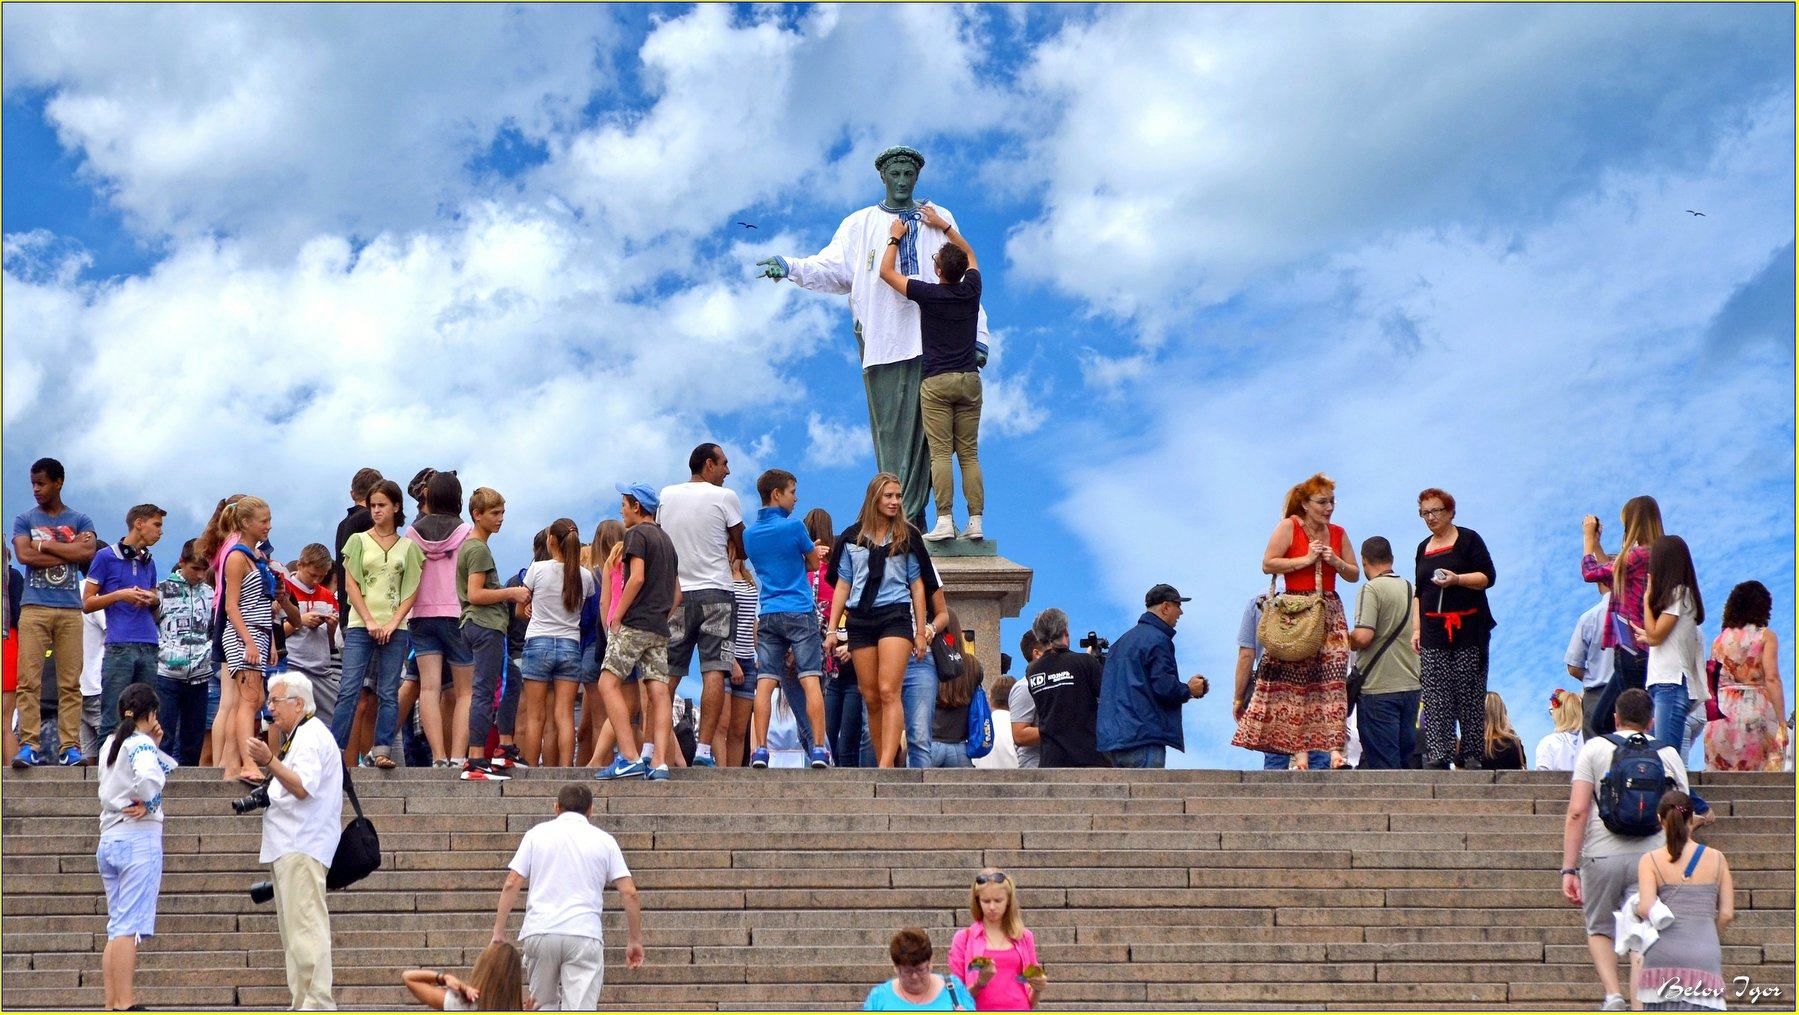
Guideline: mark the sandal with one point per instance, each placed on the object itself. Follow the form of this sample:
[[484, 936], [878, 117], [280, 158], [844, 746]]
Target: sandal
[[252, 781], [384, 761]]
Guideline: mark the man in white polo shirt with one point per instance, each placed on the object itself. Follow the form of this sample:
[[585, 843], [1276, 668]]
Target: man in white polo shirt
[[573, 862]]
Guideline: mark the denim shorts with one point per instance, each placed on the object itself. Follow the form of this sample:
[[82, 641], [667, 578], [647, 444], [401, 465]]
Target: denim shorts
[[441, 636], [798, 633], [131, 870], [590, 662], [552, 659], [746, 690]]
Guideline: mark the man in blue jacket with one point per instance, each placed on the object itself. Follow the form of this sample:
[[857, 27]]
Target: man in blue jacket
[[1141, 697]]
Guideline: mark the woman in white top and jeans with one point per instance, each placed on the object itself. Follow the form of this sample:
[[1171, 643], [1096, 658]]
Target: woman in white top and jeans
[[132, 773], [1672, 612]]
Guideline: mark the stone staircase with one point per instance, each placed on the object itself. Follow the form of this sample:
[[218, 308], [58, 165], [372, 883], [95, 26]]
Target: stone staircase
[[779, 889]]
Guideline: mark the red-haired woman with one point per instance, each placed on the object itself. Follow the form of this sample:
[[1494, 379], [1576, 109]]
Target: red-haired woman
[[1451, 624], [1300, 706]]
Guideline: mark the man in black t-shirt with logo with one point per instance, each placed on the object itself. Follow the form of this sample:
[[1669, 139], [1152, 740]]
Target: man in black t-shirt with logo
[[1064, 686], [949, 313]]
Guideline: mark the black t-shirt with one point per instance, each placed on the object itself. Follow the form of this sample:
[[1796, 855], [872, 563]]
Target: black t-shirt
[[1064, 686], [1468, 607], [649, 611], [948, 317], [357, 519], [916, 545]]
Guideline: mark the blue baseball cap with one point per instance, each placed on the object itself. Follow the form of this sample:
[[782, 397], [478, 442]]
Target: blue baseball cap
[[642, 493]]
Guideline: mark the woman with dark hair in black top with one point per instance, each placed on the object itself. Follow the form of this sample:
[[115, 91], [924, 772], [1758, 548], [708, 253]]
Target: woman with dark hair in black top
[[1451, 624]]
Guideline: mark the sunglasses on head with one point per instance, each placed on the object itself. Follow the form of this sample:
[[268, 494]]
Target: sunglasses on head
[[996, 878]]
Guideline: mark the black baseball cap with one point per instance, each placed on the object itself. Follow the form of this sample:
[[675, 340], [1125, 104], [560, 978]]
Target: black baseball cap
[[1164, 594]]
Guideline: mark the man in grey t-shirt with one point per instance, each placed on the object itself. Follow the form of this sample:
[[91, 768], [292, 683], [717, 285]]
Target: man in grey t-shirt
[[1599, 866]]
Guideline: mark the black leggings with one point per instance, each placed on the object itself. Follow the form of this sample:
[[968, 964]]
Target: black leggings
[[1629, 669]]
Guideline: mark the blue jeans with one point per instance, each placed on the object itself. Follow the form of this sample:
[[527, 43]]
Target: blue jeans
[[389, 661], [1629, 669], [182, 708], [1149, 756], [1387, 724], [1671, 705], [1272, 762], [795, 693], [919, 697], [124, 664], [843, 720], [950, 755]]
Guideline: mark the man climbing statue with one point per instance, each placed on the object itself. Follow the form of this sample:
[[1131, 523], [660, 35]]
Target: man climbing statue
[[886, 322]]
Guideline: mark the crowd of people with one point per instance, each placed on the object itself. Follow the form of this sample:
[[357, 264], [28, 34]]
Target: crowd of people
[[402, 642]]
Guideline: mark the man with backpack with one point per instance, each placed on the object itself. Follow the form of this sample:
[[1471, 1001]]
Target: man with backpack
[[1618, 784]]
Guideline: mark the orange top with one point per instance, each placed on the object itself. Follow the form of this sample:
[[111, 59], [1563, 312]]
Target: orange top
[[1301, 580]]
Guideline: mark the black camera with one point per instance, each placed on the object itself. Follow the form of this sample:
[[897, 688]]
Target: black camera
[[262, 891], [1095, 645], [257, 799]]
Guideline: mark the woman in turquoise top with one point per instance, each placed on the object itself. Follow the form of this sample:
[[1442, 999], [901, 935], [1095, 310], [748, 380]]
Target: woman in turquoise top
[[914, 987]]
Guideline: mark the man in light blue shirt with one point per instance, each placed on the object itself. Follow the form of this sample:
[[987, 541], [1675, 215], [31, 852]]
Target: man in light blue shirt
[[1588, 661]]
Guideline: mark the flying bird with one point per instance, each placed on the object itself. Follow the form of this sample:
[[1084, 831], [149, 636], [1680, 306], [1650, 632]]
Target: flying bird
[[747, 225], [1698, 213]]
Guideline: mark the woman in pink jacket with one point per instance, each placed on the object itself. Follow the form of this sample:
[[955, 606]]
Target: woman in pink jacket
[[995, 955]]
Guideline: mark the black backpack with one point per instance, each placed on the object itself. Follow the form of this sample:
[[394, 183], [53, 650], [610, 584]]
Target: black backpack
[[1632, 787], [358, 848]]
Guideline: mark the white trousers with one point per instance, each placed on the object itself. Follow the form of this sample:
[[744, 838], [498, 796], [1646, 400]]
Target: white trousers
[[564, 971]]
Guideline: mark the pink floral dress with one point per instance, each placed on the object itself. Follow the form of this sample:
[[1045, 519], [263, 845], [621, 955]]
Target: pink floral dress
[[1752, 736]]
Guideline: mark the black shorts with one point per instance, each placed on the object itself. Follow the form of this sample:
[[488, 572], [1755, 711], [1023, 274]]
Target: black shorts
[[866, 627]]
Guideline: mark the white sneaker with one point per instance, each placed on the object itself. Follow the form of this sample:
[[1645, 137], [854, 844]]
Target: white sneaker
[[1615, 1002], [973, 530], [945, 530]]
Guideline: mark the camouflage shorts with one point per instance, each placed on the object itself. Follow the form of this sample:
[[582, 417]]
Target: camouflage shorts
[[630, 649]]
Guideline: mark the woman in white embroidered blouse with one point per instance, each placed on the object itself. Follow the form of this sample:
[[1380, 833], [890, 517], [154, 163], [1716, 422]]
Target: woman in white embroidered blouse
[[133, 770]]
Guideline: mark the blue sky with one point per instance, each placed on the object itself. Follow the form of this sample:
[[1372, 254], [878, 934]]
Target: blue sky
[[255, 248]]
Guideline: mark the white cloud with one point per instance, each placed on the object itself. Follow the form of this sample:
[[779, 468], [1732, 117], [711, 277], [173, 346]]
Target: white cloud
[[1562, 371], [833, 444], [750, 110], [285, 121], [1220, 142]]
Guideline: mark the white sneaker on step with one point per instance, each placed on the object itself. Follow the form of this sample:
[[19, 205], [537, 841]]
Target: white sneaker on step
[[973, 530], [945, 530], [1615, 1002]]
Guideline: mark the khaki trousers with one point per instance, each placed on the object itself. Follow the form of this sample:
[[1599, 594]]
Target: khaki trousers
[[58, 630], [305, 926], [951, 404]]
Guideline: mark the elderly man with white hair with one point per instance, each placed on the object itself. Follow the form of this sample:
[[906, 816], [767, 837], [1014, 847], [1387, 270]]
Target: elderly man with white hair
[[300, 829]]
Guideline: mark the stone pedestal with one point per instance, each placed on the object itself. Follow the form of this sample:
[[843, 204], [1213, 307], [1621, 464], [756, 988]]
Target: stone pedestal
[[983, 588]]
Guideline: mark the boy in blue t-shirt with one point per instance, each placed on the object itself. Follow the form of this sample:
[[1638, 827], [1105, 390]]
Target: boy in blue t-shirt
[[54, 542], [783, 552], [122, 581]]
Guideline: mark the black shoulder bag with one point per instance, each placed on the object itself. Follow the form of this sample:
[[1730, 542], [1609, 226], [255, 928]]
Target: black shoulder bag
[[1358, 675], [358, 848]]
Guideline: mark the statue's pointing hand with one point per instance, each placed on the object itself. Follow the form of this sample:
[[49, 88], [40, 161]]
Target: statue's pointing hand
[[772, 269]]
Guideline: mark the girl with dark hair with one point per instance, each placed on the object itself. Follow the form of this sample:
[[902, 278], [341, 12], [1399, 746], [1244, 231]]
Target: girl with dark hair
[[559, 587], [1627, 572], [843, 699], [496, 984], [1672, 612], [1752, 736], [437, 639], [132, 773], [382, 569], [949, 723], [1301, 706], [1683, 970]]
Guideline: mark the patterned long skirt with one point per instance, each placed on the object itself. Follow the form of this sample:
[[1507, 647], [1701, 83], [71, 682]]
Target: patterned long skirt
[[1301, 706]]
